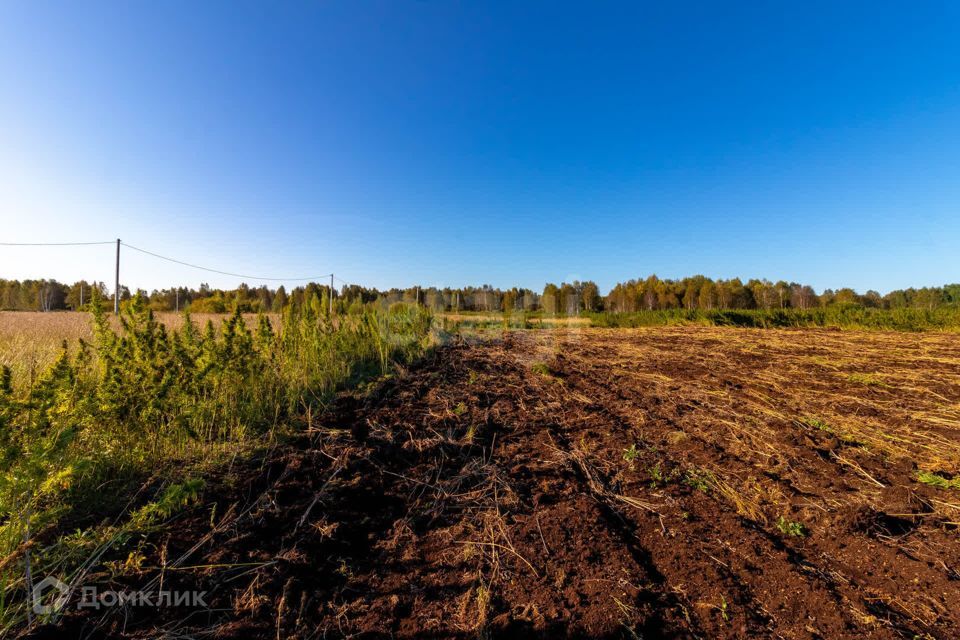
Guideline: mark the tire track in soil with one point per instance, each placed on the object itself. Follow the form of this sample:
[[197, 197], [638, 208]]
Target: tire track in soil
[[628, 531]]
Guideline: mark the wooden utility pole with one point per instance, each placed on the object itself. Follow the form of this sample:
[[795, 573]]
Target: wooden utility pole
[[331, 295], [178, 299], [116, 284], [81, 295]]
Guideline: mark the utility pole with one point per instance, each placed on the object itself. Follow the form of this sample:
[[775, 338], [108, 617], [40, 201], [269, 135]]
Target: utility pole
[[178, 299], [81, 295], [331, 295], [116, 284], [418, 295]]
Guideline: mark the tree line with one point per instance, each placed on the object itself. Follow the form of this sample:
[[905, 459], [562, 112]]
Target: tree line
[[647, 294]]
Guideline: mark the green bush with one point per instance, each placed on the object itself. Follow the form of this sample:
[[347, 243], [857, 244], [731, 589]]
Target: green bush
[[842, 316], [141, 398]]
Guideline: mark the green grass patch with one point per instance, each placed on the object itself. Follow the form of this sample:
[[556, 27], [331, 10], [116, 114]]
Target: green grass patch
[[938, 481], [542, 369], [818, 424], [867, 379]]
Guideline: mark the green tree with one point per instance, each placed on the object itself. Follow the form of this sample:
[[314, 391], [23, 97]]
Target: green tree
[[279, 299], [550, 300], [708, 295], [590, 296], [846, 296]]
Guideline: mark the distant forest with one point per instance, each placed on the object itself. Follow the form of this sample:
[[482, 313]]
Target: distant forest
[[649, 294]]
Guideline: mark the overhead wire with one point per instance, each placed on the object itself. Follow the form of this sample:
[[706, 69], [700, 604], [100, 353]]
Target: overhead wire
[[225, 273], [52, 244], [174, 260]]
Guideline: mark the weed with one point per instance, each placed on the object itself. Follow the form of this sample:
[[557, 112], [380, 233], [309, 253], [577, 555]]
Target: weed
[[460, 409], [135, 399], [630, 455], [822, 425], [699, 479], [936, 480], [791, 528], [867, 379], [174, 498], [656, 476], [541, 368], [132, 565], [817, 423]]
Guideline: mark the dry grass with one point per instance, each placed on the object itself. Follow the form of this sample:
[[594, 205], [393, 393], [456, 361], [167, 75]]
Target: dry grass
[[869, 400], [30, 340]]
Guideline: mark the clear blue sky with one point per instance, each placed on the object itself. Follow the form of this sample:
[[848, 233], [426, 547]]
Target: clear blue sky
[[511, 143]]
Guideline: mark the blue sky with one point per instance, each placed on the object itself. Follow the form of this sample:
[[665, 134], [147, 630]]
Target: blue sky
[[453, 143]]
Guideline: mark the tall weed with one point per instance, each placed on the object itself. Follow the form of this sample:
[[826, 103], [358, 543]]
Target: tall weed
[[139, 399]]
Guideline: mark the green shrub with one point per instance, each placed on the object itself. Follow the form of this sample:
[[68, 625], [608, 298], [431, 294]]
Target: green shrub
[[142, 398], [844, 316]]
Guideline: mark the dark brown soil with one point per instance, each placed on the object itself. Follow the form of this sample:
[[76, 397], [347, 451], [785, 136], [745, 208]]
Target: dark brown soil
[[637, 484]]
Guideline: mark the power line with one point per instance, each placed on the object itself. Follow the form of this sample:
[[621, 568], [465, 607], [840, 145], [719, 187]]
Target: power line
[[224, 273], [51, 244], [167, 258]]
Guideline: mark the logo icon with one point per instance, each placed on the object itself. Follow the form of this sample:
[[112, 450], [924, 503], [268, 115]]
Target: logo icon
[[59, 601]]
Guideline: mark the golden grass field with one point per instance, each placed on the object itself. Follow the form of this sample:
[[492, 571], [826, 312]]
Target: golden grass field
[[30, 340]]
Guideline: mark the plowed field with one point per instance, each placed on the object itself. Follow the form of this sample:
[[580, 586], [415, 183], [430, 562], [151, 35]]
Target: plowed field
[[671, 482]]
